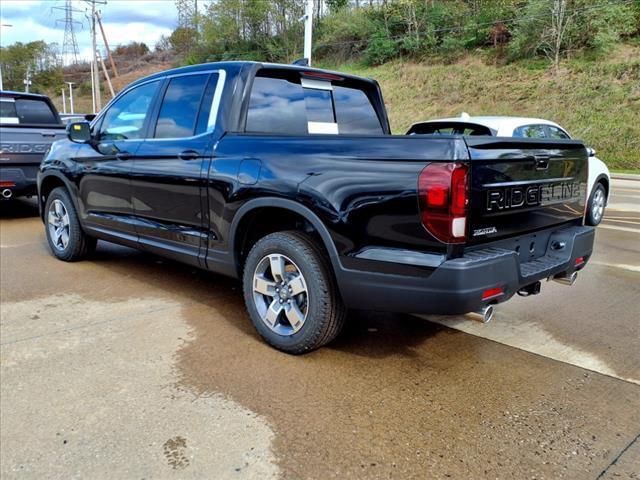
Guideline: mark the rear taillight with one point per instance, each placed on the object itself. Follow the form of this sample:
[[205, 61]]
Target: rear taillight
[[443, 191]]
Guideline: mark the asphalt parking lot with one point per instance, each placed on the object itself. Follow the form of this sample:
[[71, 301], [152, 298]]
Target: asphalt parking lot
[[130, 366]]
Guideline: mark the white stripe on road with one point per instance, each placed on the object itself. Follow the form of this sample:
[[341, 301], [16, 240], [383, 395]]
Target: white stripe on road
[[632, 268], [530, 337], [621, 229]]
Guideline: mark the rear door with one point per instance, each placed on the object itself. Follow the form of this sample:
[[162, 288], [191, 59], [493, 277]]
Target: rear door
[[167, 174], [523, 185]]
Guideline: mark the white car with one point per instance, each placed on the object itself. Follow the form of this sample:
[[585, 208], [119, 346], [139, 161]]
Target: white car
[[599, 179]]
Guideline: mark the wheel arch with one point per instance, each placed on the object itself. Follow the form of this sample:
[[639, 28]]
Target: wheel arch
[[604, 180], [244, 214], [47, 183]]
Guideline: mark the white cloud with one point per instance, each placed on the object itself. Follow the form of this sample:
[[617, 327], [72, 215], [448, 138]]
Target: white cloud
[[124, 21]]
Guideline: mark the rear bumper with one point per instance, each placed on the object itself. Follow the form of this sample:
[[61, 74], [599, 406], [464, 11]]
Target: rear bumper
[[457, 286], [19, 179]]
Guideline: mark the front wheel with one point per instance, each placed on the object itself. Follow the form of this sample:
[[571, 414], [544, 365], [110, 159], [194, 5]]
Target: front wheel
[[65, 236], [597, 202], [290, 293]]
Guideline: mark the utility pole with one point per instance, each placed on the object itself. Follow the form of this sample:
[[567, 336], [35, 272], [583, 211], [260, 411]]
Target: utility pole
[[64, 103], [71, 84], [308, 28], [69, 44], [27, 81], [95, 69], [106, 45]]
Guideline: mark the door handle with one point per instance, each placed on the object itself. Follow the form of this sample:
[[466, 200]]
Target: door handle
[[188, 155], [123, 156]]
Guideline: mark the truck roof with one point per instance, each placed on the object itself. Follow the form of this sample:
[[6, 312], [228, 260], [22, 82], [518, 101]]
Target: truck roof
[[239, 64], [12, 94]]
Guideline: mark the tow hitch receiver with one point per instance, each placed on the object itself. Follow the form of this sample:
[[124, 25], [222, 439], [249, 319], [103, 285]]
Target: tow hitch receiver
[[531, 289]]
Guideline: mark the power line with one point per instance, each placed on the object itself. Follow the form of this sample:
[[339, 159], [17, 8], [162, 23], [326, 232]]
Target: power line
[[69, 44]]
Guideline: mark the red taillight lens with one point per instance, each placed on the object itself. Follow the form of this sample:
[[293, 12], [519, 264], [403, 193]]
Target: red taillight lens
[[492, 293], [579, 261], [7, 184], [443, 192]]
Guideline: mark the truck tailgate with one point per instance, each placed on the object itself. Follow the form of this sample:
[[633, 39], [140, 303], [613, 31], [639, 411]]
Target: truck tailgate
[[27, 145], [523, 185]]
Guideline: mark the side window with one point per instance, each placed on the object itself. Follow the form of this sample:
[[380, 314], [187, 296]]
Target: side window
[[556, 133], [126, 117], [180, 106], [355, 113], [277, 105], [35, 112], [530, 131], [204, 122]]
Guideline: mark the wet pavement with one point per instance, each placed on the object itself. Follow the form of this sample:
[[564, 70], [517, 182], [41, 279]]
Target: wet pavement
[[130, 366]]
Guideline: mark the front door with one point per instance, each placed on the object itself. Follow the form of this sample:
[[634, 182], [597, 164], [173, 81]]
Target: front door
[[168, 188], [106, 162]]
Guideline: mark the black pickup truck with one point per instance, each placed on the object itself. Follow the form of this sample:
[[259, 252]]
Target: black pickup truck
[[29, 124], [288, 177]]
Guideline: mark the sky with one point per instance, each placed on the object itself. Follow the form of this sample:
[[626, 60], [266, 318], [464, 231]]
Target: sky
[[124, 21]]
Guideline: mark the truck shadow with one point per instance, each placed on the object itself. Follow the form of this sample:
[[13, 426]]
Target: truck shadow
[[367, 334], [18, 208]]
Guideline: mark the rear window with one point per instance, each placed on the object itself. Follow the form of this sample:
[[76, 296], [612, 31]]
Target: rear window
[[283, 103], [35, 112], [355, 113], [277, 105], [449, 128], [180, 106], [530, 131]]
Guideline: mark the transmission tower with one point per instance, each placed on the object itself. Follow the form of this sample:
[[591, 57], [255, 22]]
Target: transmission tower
[[70, 44]]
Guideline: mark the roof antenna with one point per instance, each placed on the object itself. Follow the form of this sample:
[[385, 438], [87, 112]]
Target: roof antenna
[[465, 116], [303, 62]]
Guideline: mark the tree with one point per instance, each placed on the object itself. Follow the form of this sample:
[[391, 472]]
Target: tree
[[39, 58]]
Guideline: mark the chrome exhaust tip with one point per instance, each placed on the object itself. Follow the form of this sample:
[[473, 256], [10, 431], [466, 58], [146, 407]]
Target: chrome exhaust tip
[[6, 193], [566, 279], [484, 315]]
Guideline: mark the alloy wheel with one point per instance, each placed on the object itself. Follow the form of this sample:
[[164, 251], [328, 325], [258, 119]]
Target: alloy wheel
[[58, 223], [280, 294]]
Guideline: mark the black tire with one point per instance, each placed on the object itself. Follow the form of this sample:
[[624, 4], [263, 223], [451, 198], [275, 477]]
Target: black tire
[[79, 244], [595, 210], [325, 311]]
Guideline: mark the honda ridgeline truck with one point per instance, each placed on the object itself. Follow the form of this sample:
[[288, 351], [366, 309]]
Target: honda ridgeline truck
[[288, 178], [29, 124]]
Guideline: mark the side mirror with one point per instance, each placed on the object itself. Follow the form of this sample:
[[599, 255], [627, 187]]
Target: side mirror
[[79, 132], [591, 152]]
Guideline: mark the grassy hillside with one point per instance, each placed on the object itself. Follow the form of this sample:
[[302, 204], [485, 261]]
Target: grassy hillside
[[596, 101]]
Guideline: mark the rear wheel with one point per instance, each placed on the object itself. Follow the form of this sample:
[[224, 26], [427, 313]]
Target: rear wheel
[[291, 294], [597, 202], [66, 238]]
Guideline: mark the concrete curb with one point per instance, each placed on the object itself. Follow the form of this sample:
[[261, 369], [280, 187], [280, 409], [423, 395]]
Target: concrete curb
[[625, 176]]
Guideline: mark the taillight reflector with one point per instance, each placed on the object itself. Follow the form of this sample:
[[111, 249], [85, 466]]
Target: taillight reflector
[[7, 184], [443, 192], [492, 293], [579, 261]]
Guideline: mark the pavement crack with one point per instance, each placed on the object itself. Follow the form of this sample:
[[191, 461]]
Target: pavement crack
[[615, 460]]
